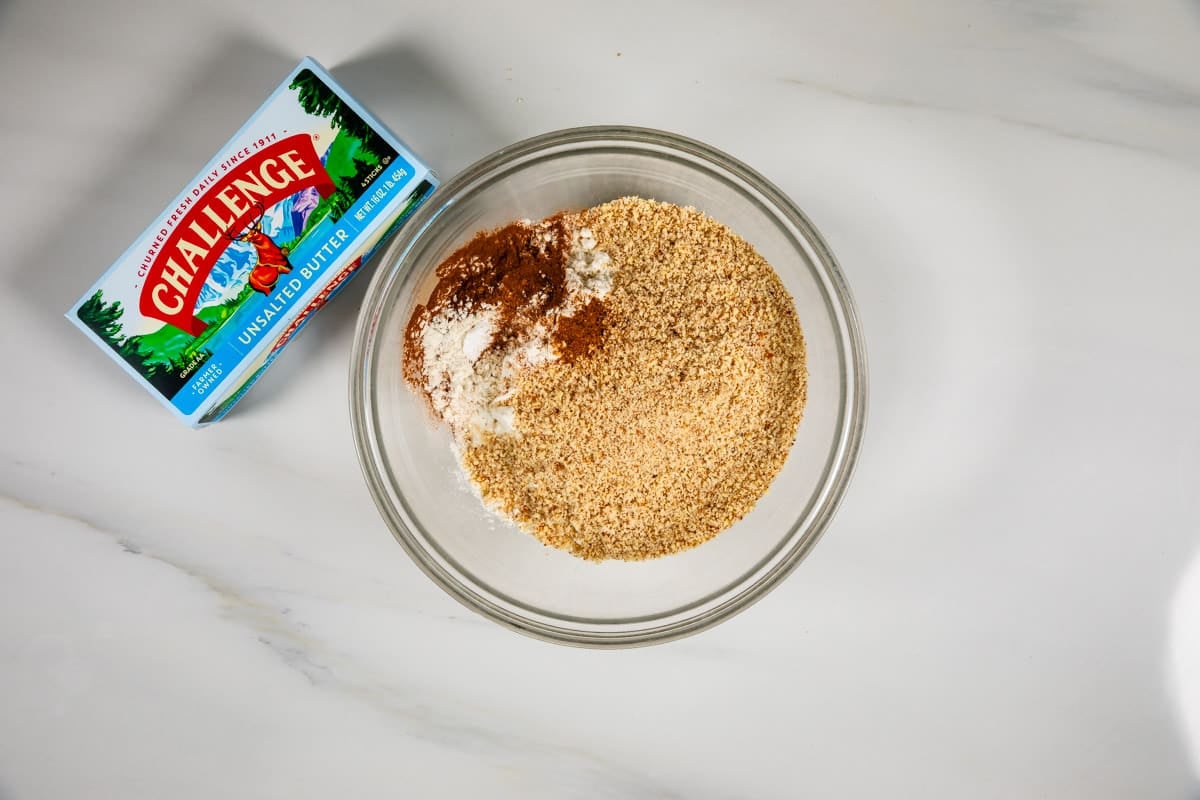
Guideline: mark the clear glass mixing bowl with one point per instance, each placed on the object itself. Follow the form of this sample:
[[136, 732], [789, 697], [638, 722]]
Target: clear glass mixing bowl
[[509, 576]]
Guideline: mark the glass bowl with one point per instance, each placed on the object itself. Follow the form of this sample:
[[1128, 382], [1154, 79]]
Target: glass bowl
[[509, 576]]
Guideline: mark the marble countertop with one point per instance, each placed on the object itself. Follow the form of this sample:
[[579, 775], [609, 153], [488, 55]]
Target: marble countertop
[[1007, 605]]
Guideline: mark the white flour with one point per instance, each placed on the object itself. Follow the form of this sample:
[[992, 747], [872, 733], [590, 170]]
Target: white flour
[[471, 386]]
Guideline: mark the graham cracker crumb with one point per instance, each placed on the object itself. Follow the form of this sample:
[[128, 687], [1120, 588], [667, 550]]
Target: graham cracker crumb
[[672, 428]]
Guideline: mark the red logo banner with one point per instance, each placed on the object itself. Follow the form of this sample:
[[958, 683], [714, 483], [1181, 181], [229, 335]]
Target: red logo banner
[[270, 175]]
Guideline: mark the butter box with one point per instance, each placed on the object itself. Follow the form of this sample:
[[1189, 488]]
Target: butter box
[[273, 226]]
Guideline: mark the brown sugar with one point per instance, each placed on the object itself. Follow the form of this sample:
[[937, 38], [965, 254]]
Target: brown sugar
[[673, 404], [581, 333]]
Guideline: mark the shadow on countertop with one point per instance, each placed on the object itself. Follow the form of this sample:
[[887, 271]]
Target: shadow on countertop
[[143, 178], [405, 85]]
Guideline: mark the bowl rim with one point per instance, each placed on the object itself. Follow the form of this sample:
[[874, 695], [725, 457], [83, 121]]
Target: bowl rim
[[852, 345]]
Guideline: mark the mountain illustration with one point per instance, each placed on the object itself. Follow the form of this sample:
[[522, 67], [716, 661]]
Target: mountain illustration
[[232, 270], [284, 222]]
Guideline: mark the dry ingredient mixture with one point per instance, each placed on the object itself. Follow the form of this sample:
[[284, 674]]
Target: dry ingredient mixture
[[622, 382]]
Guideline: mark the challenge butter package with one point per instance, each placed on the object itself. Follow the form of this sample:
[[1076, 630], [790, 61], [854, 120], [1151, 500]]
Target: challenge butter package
[[271, 228]]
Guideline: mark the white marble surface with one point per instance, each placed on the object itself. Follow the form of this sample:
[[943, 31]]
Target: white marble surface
[[1007, 606]]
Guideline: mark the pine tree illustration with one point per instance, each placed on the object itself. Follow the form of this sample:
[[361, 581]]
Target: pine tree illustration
[[319, 100], [103, 318]]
